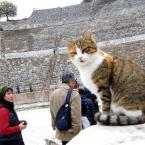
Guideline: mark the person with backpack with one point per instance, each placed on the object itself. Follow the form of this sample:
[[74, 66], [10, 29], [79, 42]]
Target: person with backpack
[[10, 126], [57, 100]]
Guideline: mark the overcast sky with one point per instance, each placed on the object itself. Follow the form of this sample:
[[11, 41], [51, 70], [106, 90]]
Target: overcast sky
[[25, 7]]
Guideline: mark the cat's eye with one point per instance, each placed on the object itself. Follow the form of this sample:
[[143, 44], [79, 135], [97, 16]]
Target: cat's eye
[[73, 53], [85, 50]]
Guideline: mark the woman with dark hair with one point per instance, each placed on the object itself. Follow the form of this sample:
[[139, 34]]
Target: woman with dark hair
[[89, 106], [10, 126]]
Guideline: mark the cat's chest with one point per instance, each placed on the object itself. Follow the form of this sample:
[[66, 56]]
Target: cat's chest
[[88, 82], [86, 73]]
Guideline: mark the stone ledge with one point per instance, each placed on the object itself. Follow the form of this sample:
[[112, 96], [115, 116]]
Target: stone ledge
[[111, 135], [32, 106], [39, 53], [63, 50]]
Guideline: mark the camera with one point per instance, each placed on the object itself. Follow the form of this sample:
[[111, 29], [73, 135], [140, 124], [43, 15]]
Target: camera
[[24, 122]]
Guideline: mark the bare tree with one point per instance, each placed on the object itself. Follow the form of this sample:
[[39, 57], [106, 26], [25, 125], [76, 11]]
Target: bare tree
[[7, 9]]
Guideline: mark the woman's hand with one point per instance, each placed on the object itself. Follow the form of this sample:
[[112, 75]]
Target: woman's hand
[[22, 125], [24, 122]]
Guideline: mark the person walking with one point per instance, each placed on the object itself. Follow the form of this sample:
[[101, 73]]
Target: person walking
[[10, 126], [57, 99]]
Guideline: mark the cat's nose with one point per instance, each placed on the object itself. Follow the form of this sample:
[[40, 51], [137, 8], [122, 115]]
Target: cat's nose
[[81, 59]]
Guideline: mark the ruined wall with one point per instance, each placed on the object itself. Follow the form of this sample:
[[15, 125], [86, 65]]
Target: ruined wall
[[32, 97], [27, 47]]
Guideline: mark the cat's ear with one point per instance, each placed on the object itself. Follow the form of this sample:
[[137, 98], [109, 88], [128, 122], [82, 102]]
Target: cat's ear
[[88, 35]]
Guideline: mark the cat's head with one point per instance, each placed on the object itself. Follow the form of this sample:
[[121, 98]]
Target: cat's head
[[82, 51]]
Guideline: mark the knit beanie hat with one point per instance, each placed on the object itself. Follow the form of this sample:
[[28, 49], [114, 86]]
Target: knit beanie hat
[[3, 91]]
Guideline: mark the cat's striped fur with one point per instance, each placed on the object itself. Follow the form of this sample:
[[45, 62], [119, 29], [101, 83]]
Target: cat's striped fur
[[119, 84]]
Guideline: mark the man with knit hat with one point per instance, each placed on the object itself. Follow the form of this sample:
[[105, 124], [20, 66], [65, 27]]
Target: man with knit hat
[[10, 126]]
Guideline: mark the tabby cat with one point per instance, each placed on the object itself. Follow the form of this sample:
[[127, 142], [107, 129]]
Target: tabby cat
[[119, 84]]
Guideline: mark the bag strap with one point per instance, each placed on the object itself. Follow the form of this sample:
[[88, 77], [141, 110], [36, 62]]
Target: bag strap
[[68, 96]]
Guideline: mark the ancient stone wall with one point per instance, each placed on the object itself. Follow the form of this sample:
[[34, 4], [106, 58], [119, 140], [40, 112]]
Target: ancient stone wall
[[27, 58], [27, 72], [42, 72], [32, 97]]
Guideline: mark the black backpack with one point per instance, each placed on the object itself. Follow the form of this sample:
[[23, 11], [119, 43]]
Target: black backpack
[[63, 117]]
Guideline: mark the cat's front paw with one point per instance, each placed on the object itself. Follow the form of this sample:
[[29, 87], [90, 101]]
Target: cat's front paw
[[101, 117], [96, 116]]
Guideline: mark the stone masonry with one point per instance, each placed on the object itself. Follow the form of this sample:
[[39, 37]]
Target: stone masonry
[[27, 46]]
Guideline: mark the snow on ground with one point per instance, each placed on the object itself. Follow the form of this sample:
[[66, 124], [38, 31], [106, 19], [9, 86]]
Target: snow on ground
[[39, 126]]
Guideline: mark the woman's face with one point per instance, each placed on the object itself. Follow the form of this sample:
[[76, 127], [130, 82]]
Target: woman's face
[[9, 96]]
